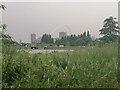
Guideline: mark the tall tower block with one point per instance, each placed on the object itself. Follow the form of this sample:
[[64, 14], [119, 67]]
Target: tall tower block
[[62, 34], [33, 39]]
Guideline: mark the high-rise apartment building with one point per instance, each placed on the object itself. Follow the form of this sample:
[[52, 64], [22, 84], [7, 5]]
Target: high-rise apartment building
[[33, 38], [62, 34]]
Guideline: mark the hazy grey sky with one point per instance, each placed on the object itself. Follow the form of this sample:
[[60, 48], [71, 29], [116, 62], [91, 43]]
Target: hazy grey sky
[[24, 18]]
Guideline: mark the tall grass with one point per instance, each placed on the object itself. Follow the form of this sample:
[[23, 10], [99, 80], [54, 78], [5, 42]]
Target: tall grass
[[83, 68]]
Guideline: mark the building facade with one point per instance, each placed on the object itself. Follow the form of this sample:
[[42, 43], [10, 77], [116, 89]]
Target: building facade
[[62, 34], [33, 39]]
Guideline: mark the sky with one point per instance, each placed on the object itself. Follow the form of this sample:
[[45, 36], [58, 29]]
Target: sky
[[25, 18]]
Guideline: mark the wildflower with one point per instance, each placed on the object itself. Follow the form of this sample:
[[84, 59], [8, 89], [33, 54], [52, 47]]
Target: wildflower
[[45, 65]]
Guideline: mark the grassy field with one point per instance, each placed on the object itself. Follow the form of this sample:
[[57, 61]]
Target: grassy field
[[83, 68]]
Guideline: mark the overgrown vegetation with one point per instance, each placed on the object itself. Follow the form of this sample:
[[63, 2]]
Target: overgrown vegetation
[[85, 68], [94, 66]]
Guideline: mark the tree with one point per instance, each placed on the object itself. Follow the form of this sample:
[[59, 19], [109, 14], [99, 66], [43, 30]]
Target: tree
[[46, 38], [4, 25], [6, 38], [73, 40], [3, 7], [110, 30], [88, 34], [84, 35], [88, 38]]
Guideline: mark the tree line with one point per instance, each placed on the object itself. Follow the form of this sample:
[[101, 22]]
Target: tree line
[[109, 33], [72, 40], [75, 40]]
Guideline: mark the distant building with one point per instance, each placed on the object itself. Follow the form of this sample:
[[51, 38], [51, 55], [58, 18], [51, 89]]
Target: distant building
[[33, 39], [38, 40], [62, 34], [20, 41]]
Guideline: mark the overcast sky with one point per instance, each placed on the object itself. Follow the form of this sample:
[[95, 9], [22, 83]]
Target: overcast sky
[[24, 18]]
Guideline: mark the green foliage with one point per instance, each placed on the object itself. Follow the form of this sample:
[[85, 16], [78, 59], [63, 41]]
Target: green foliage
[[47, 39], [110, 30], [73, 40], [7, 40], [83, 68]]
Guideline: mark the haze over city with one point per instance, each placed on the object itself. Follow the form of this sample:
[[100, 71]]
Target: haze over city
[[24, 18]]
